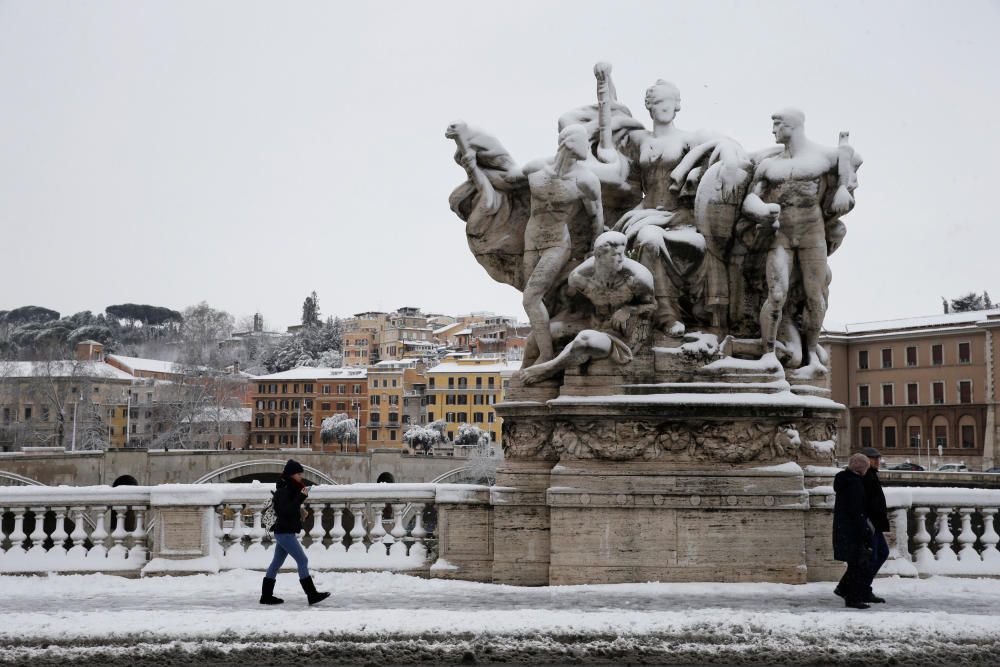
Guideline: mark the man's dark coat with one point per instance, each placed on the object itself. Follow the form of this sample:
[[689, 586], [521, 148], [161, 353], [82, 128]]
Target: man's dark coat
[[851, 535]]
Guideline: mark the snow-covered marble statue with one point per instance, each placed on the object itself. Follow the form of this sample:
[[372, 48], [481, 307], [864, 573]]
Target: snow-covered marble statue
[[736, 241], [796, 198], [566, 213], [662, 227], [621, 292]]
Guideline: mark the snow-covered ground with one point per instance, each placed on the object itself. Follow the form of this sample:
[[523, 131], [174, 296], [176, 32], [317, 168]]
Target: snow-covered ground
[[382, 618]]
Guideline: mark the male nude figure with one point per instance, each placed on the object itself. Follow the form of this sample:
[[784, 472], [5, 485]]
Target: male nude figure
[[786, 199], [621, 291]]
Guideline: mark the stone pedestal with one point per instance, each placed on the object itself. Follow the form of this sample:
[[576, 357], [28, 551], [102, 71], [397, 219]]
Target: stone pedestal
[[184, 538], [658, 487]]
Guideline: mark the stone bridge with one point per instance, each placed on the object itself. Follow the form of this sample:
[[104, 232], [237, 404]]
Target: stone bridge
[[116, 467]]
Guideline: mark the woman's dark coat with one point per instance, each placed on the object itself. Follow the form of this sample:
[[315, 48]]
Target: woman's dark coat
[[851, 534], [287, 501]]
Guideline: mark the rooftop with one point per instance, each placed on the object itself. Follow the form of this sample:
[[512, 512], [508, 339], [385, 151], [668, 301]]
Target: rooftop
[[473, 365], [920, 322], [315, 373], [149, 365], [62, 369]]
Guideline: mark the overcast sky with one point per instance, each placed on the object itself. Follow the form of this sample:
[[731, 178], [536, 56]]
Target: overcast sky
[[247, 153]]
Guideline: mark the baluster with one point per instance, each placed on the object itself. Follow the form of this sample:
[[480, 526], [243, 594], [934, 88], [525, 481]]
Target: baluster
[[98, 535], [358, 532], [78, 536], [337, 532], [377, 534], [237, 533], [922, 555], [118, 535], [257, 533], [990, 537], [17, 537], [417, 550], [138, 551], [59, 534], [967, 538], [317, 532], [944, 537], [398, 532], [899, 556], [37, 537]]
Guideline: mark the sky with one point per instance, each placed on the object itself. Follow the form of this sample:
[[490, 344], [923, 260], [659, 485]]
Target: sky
[[248, 153]]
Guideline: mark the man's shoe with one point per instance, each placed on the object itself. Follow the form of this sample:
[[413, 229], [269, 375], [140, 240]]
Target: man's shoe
[[267, 592], [856, 604], [874, 598], [312, 594]]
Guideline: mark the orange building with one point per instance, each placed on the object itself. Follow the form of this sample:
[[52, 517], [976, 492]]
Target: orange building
[[922, 389], [396, 400], [289, 407]]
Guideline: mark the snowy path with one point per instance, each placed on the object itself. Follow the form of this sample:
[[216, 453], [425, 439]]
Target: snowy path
[[382, 618]]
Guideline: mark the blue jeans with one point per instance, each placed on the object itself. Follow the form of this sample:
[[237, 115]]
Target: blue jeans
[[880, 553], [287, 544]]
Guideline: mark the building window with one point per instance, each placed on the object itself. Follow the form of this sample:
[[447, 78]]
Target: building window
[[392, 435], [451, 383], [357, 389], [915, 437], [941, 436], [862, 359], [430, 383], [259, 423], [477, 417], [864, 398], [938, 391], [463, 399], [887, 394], [937, 355], [374, 399], [965, 391], [373, 435], [463, 383], [491, 417], [326, 389], [912, 393], [341, 389], [968, 436], [866, 436], [887, 357], [489, 383], [432, 399], [307, 388], [889, 437], [964, 353], [325, 407], [911, 355], [374, 417], [27, 414]]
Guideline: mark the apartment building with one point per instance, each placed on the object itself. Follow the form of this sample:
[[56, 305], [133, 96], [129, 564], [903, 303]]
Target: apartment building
[[920, 388], [463, 390], [289, 407], [396, 400]]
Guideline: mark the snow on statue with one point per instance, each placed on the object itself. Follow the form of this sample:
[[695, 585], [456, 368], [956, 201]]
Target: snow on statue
[[736, 241]]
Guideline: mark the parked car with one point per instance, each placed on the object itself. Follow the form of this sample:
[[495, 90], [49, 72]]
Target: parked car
[[907, 466], [953, 467], [995, 469]]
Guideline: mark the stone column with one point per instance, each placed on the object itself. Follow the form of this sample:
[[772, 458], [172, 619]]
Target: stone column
[[184, 539], [465, 534]]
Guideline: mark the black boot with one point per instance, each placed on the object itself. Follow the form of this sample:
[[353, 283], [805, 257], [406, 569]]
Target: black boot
[[311, 592], [267, 592]]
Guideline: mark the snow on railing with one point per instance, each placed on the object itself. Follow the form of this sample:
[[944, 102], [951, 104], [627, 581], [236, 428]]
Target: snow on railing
[[357, 526], [73, 529], [105, 529], [937, 531]]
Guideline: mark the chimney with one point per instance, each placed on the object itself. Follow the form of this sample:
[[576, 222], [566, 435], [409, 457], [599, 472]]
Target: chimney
[[89, 350]]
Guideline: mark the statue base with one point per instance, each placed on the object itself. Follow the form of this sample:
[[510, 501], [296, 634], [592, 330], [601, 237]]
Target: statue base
[[639, 486]]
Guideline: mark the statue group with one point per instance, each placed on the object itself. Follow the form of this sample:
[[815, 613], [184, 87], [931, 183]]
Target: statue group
[[633, 239]]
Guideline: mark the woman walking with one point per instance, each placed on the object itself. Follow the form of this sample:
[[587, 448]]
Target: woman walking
[[289, 494]]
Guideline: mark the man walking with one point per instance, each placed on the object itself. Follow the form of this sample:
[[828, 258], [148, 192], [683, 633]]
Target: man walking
[[852, 534], [876, 512]]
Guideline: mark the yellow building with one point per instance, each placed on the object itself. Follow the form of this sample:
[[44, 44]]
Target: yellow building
[[463, 390], [396, 401]]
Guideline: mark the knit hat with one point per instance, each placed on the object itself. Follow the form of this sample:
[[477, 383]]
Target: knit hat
[[292, 467]]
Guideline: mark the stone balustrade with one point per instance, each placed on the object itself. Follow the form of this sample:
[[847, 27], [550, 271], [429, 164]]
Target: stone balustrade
[[937, 531], [178, 528]]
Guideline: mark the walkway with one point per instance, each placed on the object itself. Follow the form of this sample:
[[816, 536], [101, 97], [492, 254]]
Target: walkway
[[382, 619]]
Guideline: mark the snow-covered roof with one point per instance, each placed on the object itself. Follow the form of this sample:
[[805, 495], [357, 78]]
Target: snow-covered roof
[[441, 330], [149, 365], [497, 366], [317, 373], [62, 369], [927, 321], [222, 415]]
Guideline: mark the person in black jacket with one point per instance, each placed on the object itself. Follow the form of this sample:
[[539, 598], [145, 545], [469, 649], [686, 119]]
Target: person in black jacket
[[289, 494], [852, 532], [877, 513]]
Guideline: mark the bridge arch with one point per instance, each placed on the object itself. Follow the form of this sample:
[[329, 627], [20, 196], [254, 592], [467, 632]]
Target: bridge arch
[[13, 479], [234, 471]]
